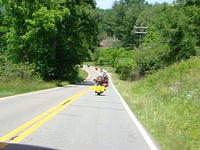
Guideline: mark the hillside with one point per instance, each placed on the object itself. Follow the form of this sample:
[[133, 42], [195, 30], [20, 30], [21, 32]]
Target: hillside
[[167, 103]]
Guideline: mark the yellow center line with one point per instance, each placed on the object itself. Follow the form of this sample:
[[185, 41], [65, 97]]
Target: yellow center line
[[26, 129], [14, 132]]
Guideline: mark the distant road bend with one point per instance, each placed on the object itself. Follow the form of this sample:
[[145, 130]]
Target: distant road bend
[[70, 118]]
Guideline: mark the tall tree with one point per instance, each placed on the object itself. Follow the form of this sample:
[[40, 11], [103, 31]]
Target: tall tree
[[126, 14], [168, 25], [189, 2], [54, 35]]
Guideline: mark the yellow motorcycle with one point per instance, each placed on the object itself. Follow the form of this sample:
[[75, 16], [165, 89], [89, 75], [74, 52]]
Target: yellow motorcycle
[[99, 89]]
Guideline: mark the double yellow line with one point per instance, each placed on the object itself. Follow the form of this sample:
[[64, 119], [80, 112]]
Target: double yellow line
[[26, 129]]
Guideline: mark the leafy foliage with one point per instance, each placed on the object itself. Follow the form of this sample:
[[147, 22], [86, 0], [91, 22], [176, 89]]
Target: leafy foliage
[[10, 72], [173, 35], [120, 20], [55, 36], [173, 28]]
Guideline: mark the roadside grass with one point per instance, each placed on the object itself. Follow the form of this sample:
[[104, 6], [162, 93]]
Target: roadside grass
[[23, 86], [91, 63], [19, 86], [82, 75], [167, 103]]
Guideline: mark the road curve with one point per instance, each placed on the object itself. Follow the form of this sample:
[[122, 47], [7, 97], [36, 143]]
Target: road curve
[[68, 118]]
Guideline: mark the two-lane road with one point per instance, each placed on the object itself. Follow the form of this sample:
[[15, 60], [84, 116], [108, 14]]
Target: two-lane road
[[68, 118]]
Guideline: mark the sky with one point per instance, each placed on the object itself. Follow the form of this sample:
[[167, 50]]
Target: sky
[[106, 4]]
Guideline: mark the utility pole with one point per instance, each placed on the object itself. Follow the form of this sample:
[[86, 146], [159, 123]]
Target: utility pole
[[141, 31]]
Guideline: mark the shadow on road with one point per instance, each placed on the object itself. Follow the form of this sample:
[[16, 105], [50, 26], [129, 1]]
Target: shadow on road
[[100, 95], [10, 146], [86, 83]]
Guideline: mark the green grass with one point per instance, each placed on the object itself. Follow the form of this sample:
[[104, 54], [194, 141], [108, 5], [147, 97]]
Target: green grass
[[23, 86], [168, 104], [91, 63], [81, 76]]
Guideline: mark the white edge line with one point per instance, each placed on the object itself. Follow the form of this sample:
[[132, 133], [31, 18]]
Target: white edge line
[[140, 127], [34, 92]]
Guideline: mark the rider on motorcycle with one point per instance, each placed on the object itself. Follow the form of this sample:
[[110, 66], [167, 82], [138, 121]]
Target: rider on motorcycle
[[99, 80]]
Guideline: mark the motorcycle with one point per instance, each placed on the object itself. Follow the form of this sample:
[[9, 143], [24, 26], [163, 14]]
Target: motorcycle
[[99, 89], [105, 84]]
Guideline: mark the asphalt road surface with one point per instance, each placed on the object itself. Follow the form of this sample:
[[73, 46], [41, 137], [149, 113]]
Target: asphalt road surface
[[68, 118]]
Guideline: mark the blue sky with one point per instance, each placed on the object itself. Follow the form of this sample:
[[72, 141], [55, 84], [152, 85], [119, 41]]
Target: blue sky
[[105, 4]]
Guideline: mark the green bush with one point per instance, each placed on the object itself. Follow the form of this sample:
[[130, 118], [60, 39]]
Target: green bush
[[150, 59], [198, 51], [132, 64], [10, 71], [108, 56], [126, 66]]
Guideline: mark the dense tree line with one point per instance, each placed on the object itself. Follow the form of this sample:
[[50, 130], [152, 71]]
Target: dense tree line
[[121, 19], [52, 35], [125, 15], [173, 34]]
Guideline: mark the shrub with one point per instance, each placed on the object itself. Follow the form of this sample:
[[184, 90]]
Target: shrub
[[108, 56], [126, 66], [10, 71]]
